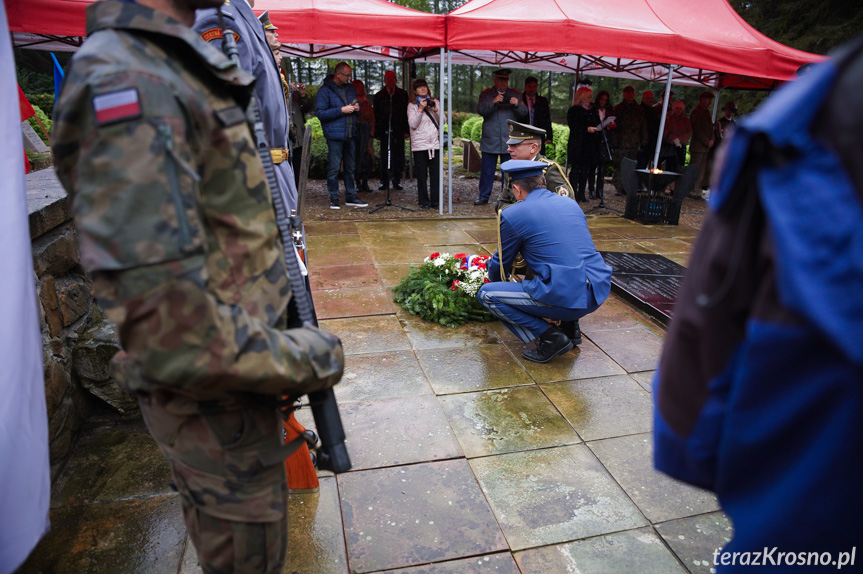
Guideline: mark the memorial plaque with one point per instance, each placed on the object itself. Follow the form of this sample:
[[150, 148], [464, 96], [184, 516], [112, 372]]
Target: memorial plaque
[[652, 282]]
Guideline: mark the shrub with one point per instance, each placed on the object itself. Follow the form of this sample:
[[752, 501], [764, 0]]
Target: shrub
[[561, 139], [45, 122], [44, 101], [467, 126], [458, 119], [476, 131], [317, 130], [318, 161]]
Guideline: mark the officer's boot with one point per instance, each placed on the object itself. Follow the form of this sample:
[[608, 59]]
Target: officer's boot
[[548, 346], [571, 330]]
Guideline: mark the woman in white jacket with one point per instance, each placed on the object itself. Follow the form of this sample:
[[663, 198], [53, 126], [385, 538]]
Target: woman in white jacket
[[424, 121]]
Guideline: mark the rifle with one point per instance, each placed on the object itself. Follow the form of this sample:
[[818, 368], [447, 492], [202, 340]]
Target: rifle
[[332, 454]]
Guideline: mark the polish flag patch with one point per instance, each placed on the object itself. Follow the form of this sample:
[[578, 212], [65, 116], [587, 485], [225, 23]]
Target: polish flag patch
[[117, 106]]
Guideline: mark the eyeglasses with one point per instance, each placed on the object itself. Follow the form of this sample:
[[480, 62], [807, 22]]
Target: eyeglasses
[[344, 74]]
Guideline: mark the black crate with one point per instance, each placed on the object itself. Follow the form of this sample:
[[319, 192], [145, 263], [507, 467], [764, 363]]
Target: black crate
[[657, 208]]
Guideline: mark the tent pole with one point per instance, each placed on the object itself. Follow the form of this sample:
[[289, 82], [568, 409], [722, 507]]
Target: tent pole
[[443, 100], [715, 103], [449, 123], [659, 136]]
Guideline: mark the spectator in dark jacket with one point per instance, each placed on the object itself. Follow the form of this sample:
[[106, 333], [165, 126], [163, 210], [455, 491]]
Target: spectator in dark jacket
[[631, 133], [391, 128], [338, 110], [583, 147], [538, 111]]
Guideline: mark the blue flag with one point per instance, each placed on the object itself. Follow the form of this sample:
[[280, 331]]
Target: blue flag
[[58, 77]]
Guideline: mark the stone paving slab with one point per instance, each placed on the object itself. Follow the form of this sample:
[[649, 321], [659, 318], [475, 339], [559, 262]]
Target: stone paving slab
[[474, 368], [635, 348], [378, 227], [397, 431], [400, 254], [645, 379], [316, 543], [604, 407], [612, 314], [382, 376], [425, 335], [585, 361], [342, 276], [555, 495], [508, 420], [490, 563], [640, 551], [407, 516], [695, 539], [112, 464], [316, 228], [392, 275], [329, 256], [145, 535], [449, 237], [328, 242], [629, 459], [353, 302], [368, 334]]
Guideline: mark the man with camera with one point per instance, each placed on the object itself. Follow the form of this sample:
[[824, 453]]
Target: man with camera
[[153, 142], [496, 105], [570, 279]]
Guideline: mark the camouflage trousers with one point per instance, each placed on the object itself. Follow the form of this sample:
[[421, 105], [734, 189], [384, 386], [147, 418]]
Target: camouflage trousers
[[227, 547], [234, 505]]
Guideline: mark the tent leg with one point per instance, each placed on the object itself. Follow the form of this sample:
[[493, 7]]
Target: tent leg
[[663, 116], [444, 100], [449, 123], [715, 103]]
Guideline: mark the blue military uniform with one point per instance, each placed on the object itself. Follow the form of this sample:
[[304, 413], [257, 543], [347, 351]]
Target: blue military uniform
[[570, 277], [256, 57]]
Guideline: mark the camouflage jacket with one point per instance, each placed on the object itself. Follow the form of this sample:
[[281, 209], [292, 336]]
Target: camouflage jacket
[[555, 180], [152, 141]]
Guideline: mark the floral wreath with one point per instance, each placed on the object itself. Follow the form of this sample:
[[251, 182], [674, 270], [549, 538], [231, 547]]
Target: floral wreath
[[443, 289]]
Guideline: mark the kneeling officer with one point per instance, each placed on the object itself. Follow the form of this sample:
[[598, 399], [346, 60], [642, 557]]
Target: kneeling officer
[[570, 278]]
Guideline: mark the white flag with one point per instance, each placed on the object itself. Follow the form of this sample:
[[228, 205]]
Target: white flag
[[25, 475]]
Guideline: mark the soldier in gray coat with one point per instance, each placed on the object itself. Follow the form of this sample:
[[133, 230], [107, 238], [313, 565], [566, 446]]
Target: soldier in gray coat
[[496, 106], [256, 57]]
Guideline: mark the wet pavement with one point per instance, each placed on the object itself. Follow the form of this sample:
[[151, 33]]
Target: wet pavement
[[467, 458]]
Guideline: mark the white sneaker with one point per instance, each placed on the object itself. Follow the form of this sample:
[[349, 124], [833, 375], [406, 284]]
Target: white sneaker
[[705, 194], [334, 206], [356, 203]]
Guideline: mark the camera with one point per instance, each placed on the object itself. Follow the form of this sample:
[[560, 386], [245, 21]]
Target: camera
[[430, 103]]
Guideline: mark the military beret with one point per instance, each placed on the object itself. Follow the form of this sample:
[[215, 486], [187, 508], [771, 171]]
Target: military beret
[[265, 20], [520, 133], [706, 94], [522, 168], [502, 73], [730, 106]]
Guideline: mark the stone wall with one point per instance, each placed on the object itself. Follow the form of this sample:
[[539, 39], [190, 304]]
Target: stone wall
[[77, 342]]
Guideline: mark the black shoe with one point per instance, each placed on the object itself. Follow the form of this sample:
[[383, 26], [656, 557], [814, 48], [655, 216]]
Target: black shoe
[[548, 346], [424, 206], [481, 202], [592, 195], [364, 187], [580, 199], [618, 192], [571, 330], [384, 186], [397, 186], [435, 207]]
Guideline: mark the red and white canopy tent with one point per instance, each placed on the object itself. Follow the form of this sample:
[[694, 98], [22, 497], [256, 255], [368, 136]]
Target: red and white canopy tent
[[705, 43]]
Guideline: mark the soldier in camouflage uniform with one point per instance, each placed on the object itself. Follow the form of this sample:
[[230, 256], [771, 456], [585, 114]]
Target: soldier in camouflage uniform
[[525, 142], [152, 141]]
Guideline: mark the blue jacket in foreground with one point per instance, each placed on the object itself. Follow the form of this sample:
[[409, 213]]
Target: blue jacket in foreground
[[759, 393], [551, 232], [329, 108]]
